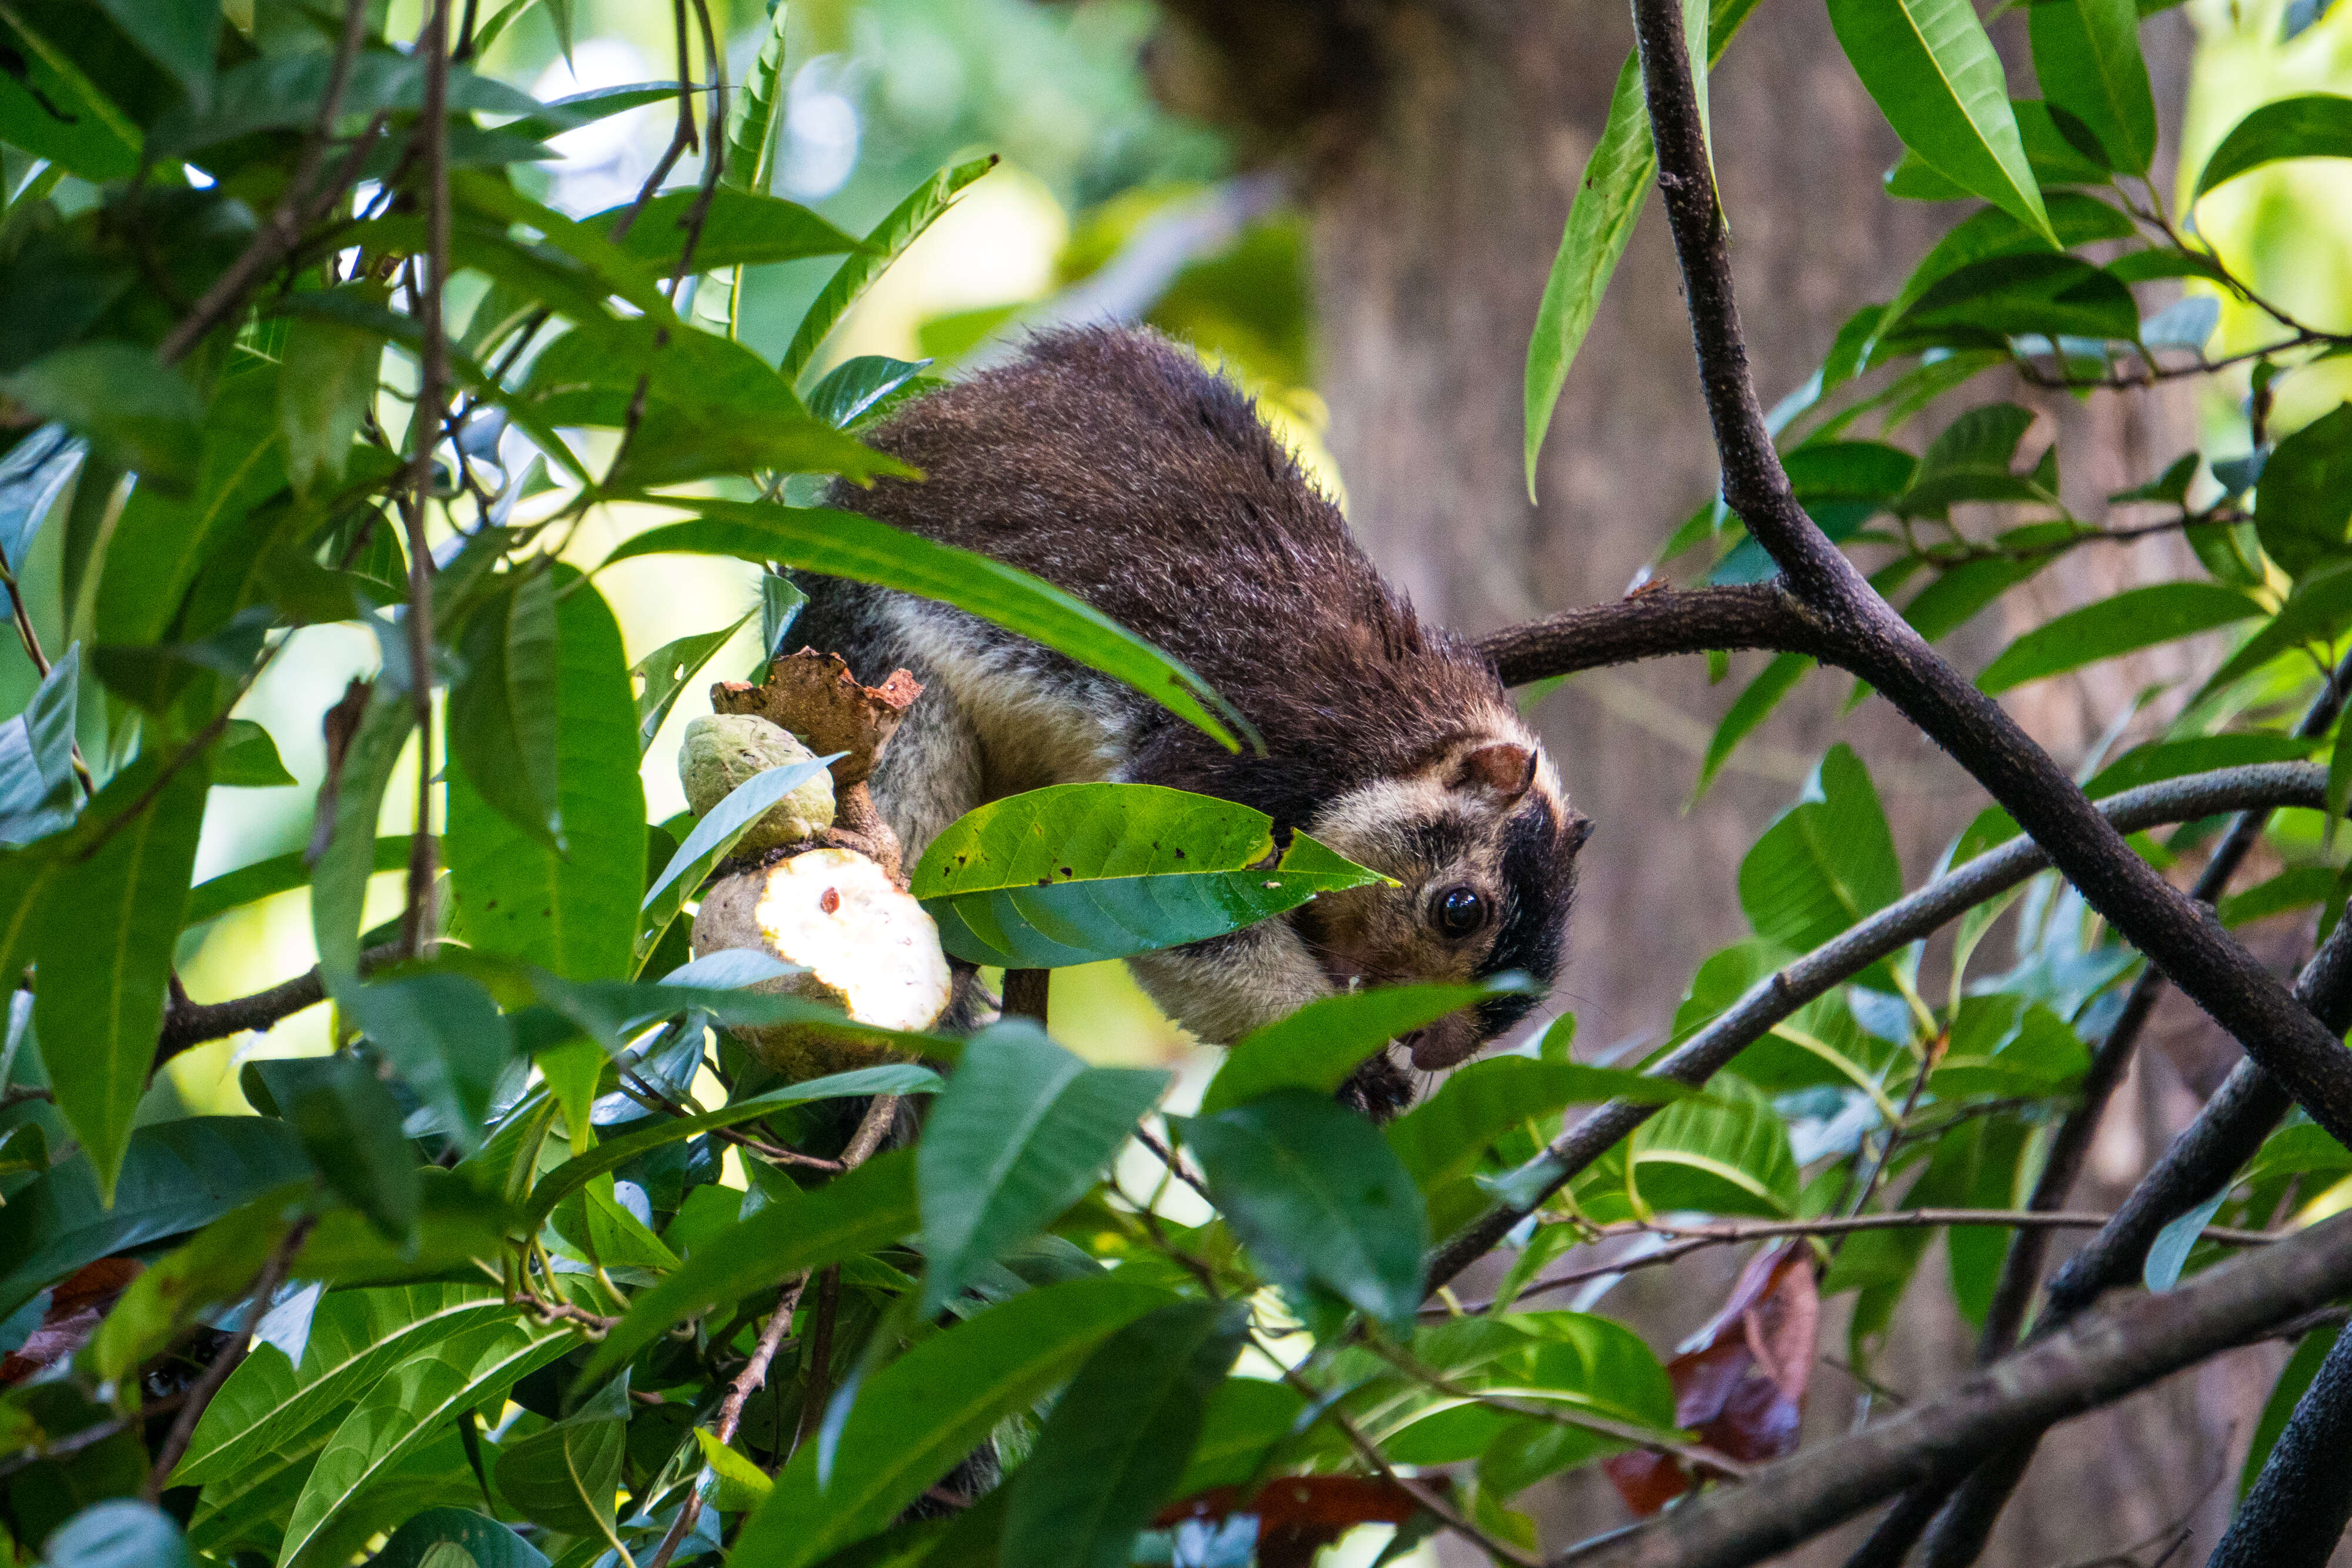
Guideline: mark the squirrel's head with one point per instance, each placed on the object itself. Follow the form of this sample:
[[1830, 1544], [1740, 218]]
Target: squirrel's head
[[1483, 845]]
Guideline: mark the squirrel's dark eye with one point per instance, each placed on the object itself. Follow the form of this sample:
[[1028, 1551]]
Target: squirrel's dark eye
[[1458, 911]]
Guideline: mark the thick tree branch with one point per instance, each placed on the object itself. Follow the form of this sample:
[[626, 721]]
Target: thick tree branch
[[1774, 997], [2178, 935], [2102, 1357], [2298, 1507], [187, 1024], [1653, 624]]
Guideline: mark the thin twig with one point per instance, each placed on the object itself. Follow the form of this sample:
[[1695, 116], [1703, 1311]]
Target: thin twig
[[746, 1383], [232, 1355]]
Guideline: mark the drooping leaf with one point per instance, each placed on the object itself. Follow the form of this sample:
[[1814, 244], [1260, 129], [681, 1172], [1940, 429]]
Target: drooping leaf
[[1933, 73], [134, 409], [104, 953], [350, 1127], [868, 1207], [1120, 1437], [1317, 1046], [2169, 1253], [445, 1035], [31, 476], [2303, 510], [750, 163], [1828, 861], [2086, 56], [2135, 618], [2313, 125], [918, 1416], [844, 544], [573, 914], [885, 243], [1320, 1198], [2293, 1378], [339, 880], [1750, 708], [325, 391], [1019, 1134], [663, 674], [1077, 872], [38, 791], [502, 716]]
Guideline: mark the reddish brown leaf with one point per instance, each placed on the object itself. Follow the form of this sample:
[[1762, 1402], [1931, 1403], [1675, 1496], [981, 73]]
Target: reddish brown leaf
[[1333, 1503], [1741, 1387], [76, 1306]]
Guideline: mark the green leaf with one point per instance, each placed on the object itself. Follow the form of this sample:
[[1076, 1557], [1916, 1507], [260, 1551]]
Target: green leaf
[[1933, 75], [2086, 56], [412, 1402], [447, 1037], [2303, 509], [713, 836], [215, 1269], [103, 949], [326, 389], [2017, 295], [885, 243], [612, 1154], [1077, 872], [215, 896], [2077, 219], [859, 389], [117, 1533], [177, 1177], [135, 409], [1317, 1046], [246, 758], [575, 915], [1020, 1134], [38, 791], [51, 109], [486, 1543], [750, 163], [1751, 707], [350, 1127], [502, 716], [870, 1207], [741, 229], [2317, 611], [2169, 1253], [1245, 1418], [1724, 1153], [2313, 125], [663, 674], [1601, 221], [2293, 1378], [1444, 1136], [918, 1416], [1120, 1437], [2137, 618], [844, 544], [1320, 1198], [338, 880], [742, 1485], [1826, 862], [565, 1477]]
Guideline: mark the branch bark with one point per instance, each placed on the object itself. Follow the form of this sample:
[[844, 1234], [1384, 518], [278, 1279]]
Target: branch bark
[[187, 1024], [1778, 995], [1656, 623], [2102, 1357], [2297, 1511]]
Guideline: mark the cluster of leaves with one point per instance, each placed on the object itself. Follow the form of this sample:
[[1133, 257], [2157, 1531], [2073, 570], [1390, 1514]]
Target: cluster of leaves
[[540, 1265]]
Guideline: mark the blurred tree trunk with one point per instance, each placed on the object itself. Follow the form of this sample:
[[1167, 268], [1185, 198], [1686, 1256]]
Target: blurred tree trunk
[[1437, 144]]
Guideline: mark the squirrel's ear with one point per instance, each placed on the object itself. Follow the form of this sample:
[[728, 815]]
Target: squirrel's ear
[[1504, 770]]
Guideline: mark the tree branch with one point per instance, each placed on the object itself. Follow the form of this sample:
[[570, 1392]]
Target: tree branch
[[187, 1024], [1656, 623], [2104, 1356], [2297, 1509], [1778, 995]]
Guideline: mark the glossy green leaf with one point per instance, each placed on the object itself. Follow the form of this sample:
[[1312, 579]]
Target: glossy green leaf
[[565, 1475], [1727, 1153], [486, 1543], [177, 1177], [870, 1207], [885, 243], [134, 409], [270, 1402], [1320, 1198], [2017, 296], [2075, 218], [1933, 73], [742, 229], [2303, 510], [2086, 56], [339, 880], [103, 949], [751, 163], [2313, 125], [448, 1040], [844, 544], [918, 1416], [662, 674], [350, 1127], [502, 714], [1826, 862], [575, 915], [415, 1399], [1444, 1136], [1317, 1046], [215, 896], [38, 791], [742, 1485], [714, 836], [859, 389], [1019, 1134], [1120, 1437], [2135, 618], [1077, 872], [117, 1533]]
